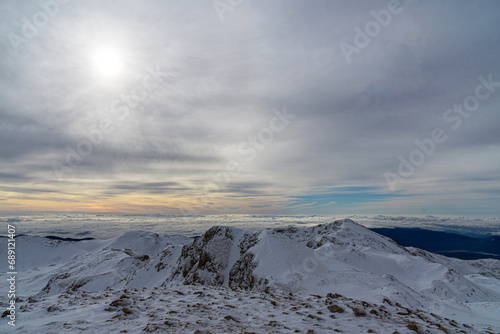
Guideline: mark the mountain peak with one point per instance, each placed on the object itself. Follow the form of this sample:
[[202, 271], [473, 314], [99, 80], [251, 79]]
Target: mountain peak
[[338, 257]]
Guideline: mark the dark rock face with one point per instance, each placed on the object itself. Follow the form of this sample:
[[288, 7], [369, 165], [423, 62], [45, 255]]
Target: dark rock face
[[163, 259], [248, 241], [241, 274], [206, 259]]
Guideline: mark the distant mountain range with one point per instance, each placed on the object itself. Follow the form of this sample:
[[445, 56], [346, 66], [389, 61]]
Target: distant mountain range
[[445, 243]]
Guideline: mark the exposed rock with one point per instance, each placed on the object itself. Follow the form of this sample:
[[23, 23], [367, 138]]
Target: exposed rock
[[206, 258], [241, 274], [335, 309]]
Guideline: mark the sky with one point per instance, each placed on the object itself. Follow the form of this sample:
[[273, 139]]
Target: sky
[[272, 107]]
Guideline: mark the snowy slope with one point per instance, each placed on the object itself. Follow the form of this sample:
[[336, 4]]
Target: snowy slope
[[200, 309], [341, 257]]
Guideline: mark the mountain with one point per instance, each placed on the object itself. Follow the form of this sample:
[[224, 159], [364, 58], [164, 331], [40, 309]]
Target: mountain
[[339, 265], [449, 244]]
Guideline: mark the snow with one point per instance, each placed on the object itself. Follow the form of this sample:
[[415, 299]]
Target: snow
[[236, 280], [200, 309], [234, 254]]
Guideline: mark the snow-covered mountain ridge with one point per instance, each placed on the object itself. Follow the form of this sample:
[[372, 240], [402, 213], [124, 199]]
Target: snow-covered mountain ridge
[[341, 258]]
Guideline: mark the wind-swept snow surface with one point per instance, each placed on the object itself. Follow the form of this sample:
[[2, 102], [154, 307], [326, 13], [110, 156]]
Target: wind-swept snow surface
[[336, 276]]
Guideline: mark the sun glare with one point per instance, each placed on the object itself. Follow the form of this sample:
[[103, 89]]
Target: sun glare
[[107, 62]]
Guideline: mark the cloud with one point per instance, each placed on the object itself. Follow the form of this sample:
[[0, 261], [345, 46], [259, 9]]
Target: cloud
[[218, 84]]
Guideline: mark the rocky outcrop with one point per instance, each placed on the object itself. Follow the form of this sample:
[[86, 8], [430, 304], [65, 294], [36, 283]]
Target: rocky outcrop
[[242, 274], [206, 259]]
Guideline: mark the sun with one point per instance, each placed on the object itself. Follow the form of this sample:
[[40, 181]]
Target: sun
[[107, 61]]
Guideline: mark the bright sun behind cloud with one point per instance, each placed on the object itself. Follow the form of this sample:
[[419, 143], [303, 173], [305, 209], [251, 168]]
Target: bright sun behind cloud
[[107, 61]]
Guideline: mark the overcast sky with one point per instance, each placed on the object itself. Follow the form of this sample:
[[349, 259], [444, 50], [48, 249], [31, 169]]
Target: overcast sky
[[250, 107]]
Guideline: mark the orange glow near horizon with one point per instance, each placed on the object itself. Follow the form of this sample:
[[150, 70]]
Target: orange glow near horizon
[[128, 204]]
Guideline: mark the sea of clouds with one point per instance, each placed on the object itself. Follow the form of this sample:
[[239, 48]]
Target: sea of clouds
[[107, 226]]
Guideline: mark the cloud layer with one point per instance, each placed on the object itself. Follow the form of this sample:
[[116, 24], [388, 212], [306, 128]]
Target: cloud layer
[[197, 120]]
